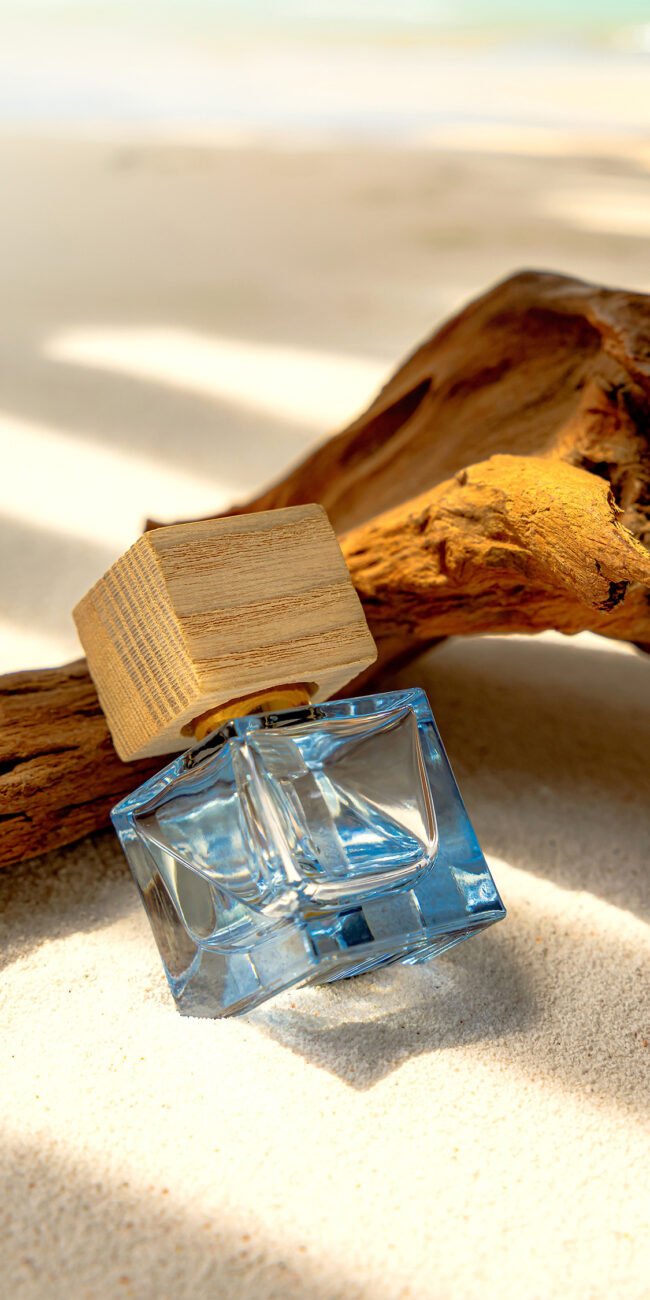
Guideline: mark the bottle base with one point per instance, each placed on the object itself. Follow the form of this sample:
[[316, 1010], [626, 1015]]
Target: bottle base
[[201, 994]]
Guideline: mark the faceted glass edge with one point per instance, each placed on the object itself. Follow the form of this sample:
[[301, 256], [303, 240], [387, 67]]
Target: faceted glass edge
[[452, 899]]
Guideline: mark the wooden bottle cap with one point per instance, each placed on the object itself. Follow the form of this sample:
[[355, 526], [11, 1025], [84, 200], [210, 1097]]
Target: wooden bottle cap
[[198, 616]]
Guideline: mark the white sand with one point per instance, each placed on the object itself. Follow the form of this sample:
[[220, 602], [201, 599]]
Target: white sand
[[478, 1128], [475, 1128]]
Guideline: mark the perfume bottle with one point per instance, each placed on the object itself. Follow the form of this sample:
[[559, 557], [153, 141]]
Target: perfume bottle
[[299, 839]]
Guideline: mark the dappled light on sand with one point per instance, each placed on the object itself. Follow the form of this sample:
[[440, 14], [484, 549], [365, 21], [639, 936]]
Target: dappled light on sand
[[313, 389]]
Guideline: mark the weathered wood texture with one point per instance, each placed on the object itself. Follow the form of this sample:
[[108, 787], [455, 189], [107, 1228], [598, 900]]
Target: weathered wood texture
[[525, 422], [511, 453], [512, 544], [541, 365], [59, 773]]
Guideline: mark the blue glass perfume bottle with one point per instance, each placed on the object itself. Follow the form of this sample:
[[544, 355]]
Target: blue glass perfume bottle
[[292, 845], [305, 845]]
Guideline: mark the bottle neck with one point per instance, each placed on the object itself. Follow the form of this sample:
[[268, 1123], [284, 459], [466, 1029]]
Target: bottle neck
[[270, 700]]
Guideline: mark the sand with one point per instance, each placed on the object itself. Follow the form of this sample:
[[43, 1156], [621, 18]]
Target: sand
[[178, 323], [477, 1127]]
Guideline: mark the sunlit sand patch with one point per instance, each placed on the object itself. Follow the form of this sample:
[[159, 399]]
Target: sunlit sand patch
[[623, 211], [312, 389], [98, 494], [576, 909], [577, 641], [20, 645], [532, 141]]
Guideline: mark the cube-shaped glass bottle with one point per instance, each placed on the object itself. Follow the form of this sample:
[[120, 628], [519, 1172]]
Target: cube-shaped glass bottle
[[305, 846]]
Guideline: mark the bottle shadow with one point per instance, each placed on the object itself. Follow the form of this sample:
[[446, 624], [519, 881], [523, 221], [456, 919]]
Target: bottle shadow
[[549, 744], [363, 1029], [546, 995]]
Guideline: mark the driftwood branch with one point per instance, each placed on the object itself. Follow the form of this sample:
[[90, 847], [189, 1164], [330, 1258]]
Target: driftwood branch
[[499, 483], [59, 773], [514, 544], [541, 365]]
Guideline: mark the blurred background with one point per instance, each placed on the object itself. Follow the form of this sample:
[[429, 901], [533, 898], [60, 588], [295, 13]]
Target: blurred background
[[223, 223], [221, 226]]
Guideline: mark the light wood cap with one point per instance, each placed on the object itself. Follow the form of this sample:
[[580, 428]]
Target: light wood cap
[[197, 615]]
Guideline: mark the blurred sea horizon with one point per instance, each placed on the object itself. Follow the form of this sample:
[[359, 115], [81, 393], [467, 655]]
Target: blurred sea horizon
[[589, 17], [308, 68]]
